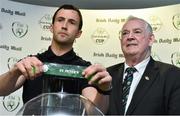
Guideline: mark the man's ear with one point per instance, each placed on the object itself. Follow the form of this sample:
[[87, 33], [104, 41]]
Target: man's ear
[[78, 34], [51, 28], [151, 39]]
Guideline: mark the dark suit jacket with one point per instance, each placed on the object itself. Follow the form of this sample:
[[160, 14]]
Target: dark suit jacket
[[158, 95]]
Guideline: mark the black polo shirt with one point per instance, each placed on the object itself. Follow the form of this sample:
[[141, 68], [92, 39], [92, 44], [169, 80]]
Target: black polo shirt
[[33, 88]]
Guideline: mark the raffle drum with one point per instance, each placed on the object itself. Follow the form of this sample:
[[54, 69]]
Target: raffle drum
[[59, 103]]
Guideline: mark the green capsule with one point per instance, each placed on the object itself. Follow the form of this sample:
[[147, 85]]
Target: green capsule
[[69, 71]]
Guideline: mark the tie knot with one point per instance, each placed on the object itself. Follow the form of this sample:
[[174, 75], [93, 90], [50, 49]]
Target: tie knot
[[130, 70]]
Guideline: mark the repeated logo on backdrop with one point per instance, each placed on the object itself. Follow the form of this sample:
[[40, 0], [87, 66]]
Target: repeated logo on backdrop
[[45, 22], [156, 23], [175, 59], [176, 21], [11, 102], [100, 36], [11, 61], [19, 29]]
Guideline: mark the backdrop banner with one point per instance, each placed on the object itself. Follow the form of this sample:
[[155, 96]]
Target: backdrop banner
[[24, 30]]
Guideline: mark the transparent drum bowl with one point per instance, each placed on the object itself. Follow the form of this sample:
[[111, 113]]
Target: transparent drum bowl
[[59, 104]]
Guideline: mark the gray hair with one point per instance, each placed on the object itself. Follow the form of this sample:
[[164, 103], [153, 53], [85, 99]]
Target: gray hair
[[148, 26]]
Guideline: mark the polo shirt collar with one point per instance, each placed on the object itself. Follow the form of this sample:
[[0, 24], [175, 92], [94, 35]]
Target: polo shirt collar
[[66, 57]]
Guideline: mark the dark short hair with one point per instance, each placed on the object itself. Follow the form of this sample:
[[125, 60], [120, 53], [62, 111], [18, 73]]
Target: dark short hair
[[70, 7]]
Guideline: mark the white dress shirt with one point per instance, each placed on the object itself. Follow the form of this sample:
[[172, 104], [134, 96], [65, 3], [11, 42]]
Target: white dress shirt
[[136, 78]]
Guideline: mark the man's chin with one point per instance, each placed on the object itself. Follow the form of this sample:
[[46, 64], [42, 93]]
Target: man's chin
[[131, 53]]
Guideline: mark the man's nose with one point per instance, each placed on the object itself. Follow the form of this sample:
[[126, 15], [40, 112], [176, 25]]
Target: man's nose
[[64, 26], [130, 35]]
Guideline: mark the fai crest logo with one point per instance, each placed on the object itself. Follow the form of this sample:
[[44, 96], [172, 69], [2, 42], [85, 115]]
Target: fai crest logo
[[19, 29], [176, 21], [175, 59], [11, 102], [11, 61]]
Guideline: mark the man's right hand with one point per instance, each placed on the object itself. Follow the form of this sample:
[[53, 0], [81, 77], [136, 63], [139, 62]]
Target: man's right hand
[[29, 67]]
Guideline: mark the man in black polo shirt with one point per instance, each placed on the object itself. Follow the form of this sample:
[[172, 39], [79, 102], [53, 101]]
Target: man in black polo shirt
[[66, 27]]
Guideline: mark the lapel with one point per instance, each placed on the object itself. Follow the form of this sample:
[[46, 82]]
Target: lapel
[[119, 83], [117, 75], [143, 86]]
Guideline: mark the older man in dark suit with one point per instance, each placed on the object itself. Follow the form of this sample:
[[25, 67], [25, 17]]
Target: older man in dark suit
[[150, 87]]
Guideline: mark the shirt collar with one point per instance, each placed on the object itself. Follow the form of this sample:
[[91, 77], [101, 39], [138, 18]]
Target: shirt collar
[[140, 67], [66, 57]]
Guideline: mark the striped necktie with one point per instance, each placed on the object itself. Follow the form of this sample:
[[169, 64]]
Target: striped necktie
[[127, 84]]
